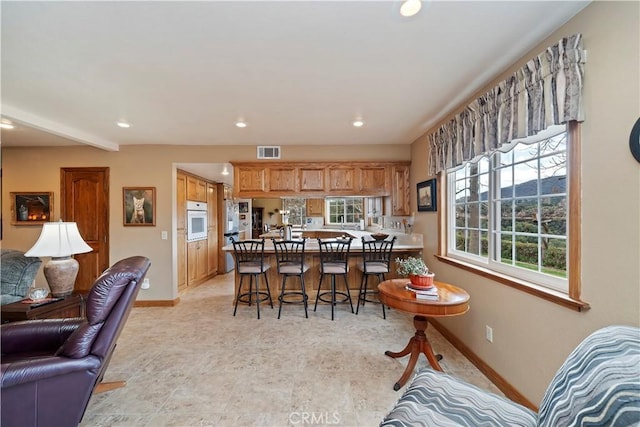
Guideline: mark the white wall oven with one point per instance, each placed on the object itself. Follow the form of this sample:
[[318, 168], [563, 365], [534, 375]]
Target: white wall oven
[[196, 221]]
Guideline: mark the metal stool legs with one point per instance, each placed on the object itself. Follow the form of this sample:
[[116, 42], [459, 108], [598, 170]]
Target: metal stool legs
[[333, 293], [362, 294], [251, 295], [302, 292]]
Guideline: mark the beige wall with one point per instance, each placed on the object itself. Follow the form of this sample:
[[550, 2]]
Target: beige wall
[[532, 337], [38, 169]]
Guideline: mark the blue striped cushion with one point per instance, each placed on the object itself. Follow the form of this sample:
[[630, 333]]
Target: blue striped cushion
[[437, 399], [598, 384]]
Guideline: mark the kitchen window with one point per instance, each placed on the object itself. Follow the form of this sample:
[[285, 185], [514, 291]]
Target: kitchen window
[[346, 210], [509, 212], [295, 210]]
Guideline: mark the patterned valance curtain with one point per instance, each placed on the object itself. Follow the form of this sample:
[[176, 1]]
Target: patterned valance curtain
[[546, 91]]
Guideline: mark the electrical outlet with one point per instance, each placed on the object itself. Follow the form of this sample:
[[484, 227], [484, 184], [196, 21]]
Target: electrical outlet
[[489, 333], [164, 235], [145, 284]]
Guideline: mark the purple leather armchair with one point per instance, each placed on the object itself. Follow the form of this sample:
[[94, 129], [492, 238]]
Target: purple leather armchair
[[51, 366]]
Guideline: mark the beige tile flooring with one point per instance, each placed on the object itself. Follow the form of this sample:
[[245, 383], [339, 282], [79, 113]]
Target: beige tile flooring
[[196, 365]]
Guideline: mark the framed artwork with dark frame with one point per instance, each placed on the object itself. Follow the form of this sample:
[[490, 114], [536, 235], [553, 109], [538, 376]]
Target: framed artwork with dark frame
[[139, 206], [427, 200], [31, 208]]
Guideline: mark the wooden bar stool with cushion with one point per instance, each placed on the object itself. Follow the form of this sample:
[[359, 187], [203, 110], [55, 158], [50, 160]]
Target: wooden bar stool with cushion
[[376, 260], [249, 256], [290, 260], [334, 261]]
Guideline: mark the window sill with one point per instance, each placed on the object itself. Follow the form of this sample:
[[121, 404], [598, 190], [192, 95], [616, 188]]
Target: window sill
[[550, 295]]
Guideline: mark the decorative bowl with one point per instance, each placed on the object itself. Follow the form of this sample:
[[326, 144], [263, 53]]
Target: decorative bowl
[[379, 236], [37, 294]]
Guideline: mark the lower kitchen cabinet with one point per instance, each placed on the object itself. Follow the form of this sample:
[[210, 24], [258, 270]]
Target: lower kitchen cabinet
[[197, 266], [182, 259]]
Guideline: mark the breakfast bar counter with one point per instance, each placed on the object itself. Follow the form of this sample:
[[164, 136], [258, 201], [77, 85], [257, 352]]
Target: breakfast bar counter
[[405, 245]]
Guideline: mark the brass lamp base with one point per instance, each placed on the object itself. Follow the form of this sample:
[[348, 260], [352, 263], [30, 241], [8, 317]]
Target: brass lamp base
[[61, 275]]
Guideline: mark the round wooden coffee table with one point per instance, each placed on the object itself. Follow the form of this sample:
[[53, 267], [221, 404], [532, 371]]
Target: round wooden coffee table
[[452, 301]]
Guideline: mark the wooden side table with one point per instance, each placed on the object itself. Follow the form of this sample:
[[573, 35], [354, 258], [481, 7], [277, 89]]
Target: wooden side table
[[70, 306], [452, 301]]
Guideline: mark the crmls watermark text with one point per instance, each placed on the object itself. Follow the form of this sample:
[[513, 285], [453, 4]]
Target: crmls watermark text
[[311, 418]]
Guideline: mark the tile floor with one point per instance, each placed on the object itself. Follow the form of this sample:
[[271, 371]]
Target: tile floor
[[196, 365]]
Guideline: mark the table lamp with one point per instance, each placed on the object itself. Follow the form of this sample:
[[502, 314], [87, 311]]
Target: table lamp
[[60, 240]]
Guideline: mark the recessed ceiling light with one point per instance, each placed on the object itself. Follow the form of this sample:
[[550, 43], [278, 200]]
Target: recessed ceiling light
[[358, 123], [410, 7], [123, 124], [241, 124]]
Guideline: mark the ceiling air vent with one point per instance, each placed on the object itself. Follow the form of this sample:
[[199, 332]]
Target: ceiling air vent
[[265, 152]]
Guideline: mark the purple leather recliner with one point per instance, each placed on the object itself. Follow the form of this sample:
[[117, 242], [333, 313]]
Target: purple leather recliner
[[51, 366]]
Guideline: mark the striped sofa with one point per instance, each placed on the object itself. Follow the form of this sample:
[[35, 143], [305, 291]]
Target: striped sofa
[[598, 385]]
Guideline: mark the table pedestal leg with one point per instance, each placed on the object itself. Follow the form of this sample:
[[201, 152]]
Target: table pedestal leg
[[417, 344]]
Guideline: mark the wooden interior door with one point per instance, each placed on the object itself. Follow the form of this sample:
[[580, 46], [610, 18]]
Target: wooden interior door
[[85, 200]]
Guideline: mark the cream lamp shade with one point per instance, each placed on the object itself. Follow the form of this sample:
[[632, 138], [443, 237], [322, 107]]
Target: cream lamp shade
[[60, 240]]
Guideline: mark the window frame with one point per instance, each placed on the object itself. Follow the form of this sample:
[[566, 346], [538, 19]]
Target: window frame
[[569, 298], [327, 210]]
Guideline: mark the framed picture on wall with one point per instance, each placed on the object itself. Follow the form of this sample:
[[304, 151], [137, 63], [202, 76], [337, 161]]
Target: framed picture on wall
[[31, 208], [139, 206], [427, 200]]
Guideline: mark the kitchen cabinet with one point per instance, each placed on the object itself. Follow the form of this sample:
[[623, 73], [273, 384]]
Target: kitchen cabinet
[[282, 179], [400, 199], [315, 207], [341, 179], [196, 262], [212, 229], [315, 179], [249, 179], [196, 189], [311, 178], [181, 232], [374, 180]]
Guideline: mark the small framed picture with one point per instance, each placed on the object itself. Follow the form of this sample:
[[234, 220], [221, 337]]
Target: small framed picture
[[427, 200], [31, 208], [139, 206]]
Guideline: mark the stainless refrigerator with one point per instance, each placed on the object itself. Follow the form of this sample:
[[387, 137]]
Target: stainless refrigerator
[[230, 223]]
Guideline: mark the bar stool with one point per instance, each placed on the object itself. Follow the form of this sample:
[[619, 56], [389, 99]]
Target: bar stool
[[334, 261], [290, 261], [249, 256], [376, 259]]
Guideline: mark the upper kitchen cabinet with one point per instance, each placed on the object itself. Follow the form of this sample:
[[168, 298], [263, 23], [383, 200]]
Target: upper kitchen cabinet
[[341, 179], [374, 180], [249, 180], [196, 189], [315, 179], [282, 179], [311, 178], [400, 199]]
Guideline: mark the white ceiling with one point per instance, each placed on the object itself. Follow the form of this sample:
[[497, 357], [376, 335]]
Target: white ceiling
[[298, 72]]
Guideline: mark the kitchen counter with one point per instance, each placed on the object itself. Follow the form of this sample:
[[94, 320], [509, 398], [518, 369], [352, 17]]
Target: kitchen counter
[[403, 241]]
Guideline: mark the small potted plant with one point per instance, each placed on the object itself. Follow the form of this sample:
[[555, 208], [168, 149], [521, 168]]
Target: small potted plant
[[416, 270]]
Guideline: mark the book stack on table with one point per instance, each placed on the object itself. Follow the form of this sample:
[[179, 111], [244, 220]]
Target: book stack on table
[[430, 293]]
